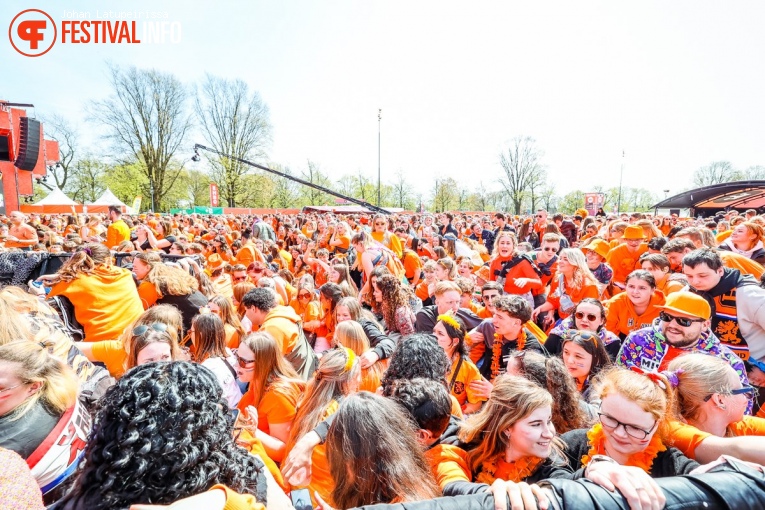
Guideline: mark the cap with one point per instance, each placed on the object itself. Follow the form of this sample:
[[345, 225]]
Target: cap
[[633, 232], [483, 273], [214, 261], [687, 303], [599, 246]]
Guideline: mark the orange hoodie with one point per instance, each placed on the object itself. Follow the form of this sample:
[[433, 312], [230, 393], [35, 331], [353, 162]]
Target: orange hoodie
[[622, 318], [281, 322], [105, 301]]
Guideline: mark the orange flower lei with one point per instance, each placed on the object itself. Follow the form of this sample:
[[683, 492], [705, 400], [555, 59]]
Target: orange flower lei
[[509, 471], [644, 460], [496, 352]]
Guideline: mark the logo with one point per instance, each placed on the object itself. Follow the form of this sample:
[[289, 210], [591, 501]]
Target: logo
[[32, 32]]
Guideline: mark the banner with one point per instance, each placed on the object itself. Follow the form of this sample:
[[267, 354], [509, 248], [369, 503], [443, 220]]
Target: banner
[[137, 204], [593, 202], [213, 194]]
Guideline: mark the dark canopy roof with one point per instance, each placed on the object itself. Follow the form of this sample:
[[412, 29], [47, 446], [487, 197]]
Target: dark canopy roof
[[734, 195]]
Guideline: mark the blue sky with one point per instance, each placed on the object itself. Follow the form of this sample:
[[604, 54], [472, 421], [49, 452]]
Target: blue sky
[[675, 85]]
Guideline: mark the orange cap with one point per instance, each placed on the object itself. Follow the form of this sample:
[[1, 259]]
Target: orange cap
[[633, 232], [599, 246], [688, 303]]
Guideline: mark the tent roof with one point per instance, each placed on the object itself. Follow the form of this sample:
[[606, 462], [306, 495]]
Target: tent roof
[[108, 198], [737, 195], [56, 197]]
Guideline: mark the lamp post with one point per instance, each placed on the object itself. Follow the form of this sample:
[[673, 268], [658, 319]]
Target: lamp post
[[619, 200], [379, 118]]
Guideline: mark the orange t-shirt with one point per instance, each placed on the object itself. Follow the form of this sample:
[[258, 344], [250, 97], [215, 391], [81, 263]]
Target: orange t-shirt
[[105, 301], [277, 405], [621, 318], [623, 262], [112, 354], [412, 264], [687, 438], [232, 336], [422, 290], [148, 294], [669, 287], [588, 290], [321, 478]]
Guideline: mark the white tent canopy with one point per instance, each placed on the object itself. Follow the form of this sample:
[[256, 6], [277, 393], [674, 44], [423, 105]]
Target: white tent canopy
[[56, 197], [108, 198]]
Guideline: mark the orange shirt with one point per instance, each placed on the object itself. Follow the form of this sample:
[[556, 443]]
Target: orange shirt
[[588, 290], [523, 269], [461, 388], [321, 479], [621, 318], [25, 232], [105, 301], [669, 287], [743, 263], [687, 438], [448, 464], [623, 262], [390, 241], [722, 236], [112, 354], [277, 405], [148, 294], [232, 336], [422, 290], [412, 264]]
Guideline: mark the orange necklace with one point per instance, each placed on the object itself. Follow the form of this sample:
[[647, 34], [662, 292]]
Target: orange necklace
[[644, 460], [498, 468], [496, 352]]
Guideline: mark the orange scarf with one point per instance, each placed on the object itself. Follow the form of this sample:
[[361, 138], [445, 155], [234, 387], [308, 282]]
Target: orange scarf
[[644, 460], [496, 352], [516, 471]]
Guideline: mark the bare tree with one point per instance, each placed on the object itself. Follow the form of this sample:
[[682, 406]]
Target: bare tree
[[314, 175], [536, 182], [521, 166], [714, 173], [236, 122], [146, 120], [61, 130], [402, 191], [548, 198]]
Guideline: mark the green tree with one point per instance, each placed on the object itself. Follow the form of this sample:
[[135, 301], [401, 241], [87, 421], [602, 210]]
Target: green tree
[[444, 195], [86, 179], [127, 180], [313, 196], [571, 202]]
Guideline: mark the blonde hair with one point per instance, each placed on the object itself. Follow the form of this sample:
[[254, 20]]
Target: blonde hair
[[500, 235], [351, 334], [59, 384], [330, 381], [700, 376], [582, 274], [641, 390], [511, 400], [13, 327], [227, 313], [449, 265], [271, 368], [171, 281]]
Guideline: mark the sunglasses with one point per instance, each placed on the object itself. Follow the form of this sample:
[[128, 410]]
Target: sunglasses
[[681, 321], [240, 278], [243, 363], [143, 328], [590, 316], [554, 250], [746, 390], [304, 295]]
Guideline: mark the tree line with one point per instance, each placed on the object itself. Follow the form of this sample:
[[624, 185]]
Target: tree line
[[150, 119]]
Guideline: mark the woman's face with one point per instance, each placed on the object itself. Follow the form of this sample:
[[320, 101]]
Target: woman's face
[[214, 308], [140, 268], [245, 356], [592, 230], [465, 269], [588, 317], [742, 235], [506, 247], [342, 313], [564, 266], [442, 273], [13, 392], [443, 338], [377, 293], [155, 351], [340, 229], [735, 405], [578, 361], [532, 435], [638, 291], [333, 275], [380, 225], [626, 412], [175, 250]]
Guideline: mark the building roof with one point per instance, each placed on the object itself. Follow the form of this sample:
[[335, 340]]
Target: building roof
[[736, 195]]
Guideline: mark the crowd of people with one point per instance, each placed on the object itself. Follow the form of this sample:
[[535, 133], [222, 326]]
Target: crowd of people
[[271, 361]]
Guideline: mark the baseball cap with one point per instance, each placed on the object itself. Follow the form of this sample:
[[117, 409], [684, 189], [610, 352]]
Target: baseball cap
[[687, 303]]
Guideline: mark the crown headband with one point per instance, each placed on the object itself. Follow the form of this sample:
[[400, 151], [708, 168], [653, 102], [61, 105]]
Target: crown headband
[[450, 321]]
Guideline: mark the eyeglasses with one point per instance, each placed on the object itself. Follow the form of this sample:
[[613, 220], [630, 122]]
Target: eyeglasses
[[745, 390], [611, 423], [590, 316], [243, 363], [143, 328], [554, 250], [11, 388], [540, 216], [681, 321]]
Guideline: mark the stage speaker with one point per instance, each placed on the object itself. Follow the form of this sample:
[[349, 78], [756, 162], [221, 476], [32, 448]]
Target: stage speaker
[[5, 154], [29, 143]]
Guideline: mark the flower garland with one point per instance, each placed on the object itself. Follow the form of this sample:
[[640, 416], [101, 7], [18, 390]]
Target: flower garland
[[644, 460], [498, 468], [496, 352]]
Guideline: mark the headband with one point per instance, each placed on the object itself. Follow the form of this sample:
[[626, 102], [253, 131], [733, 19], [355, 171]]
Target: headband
[[351, 359]]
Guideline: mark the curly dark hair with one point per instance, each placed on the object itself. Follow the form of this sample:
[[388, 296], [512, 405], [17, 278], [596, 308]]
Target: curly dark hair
[[162, 433], [514, 306], [394, 296], [417, 355], [551, 374], [260, 298]]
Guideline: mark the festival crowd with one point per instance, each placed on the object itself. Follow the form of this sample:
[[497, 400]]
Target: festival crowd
[[338, 361]]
